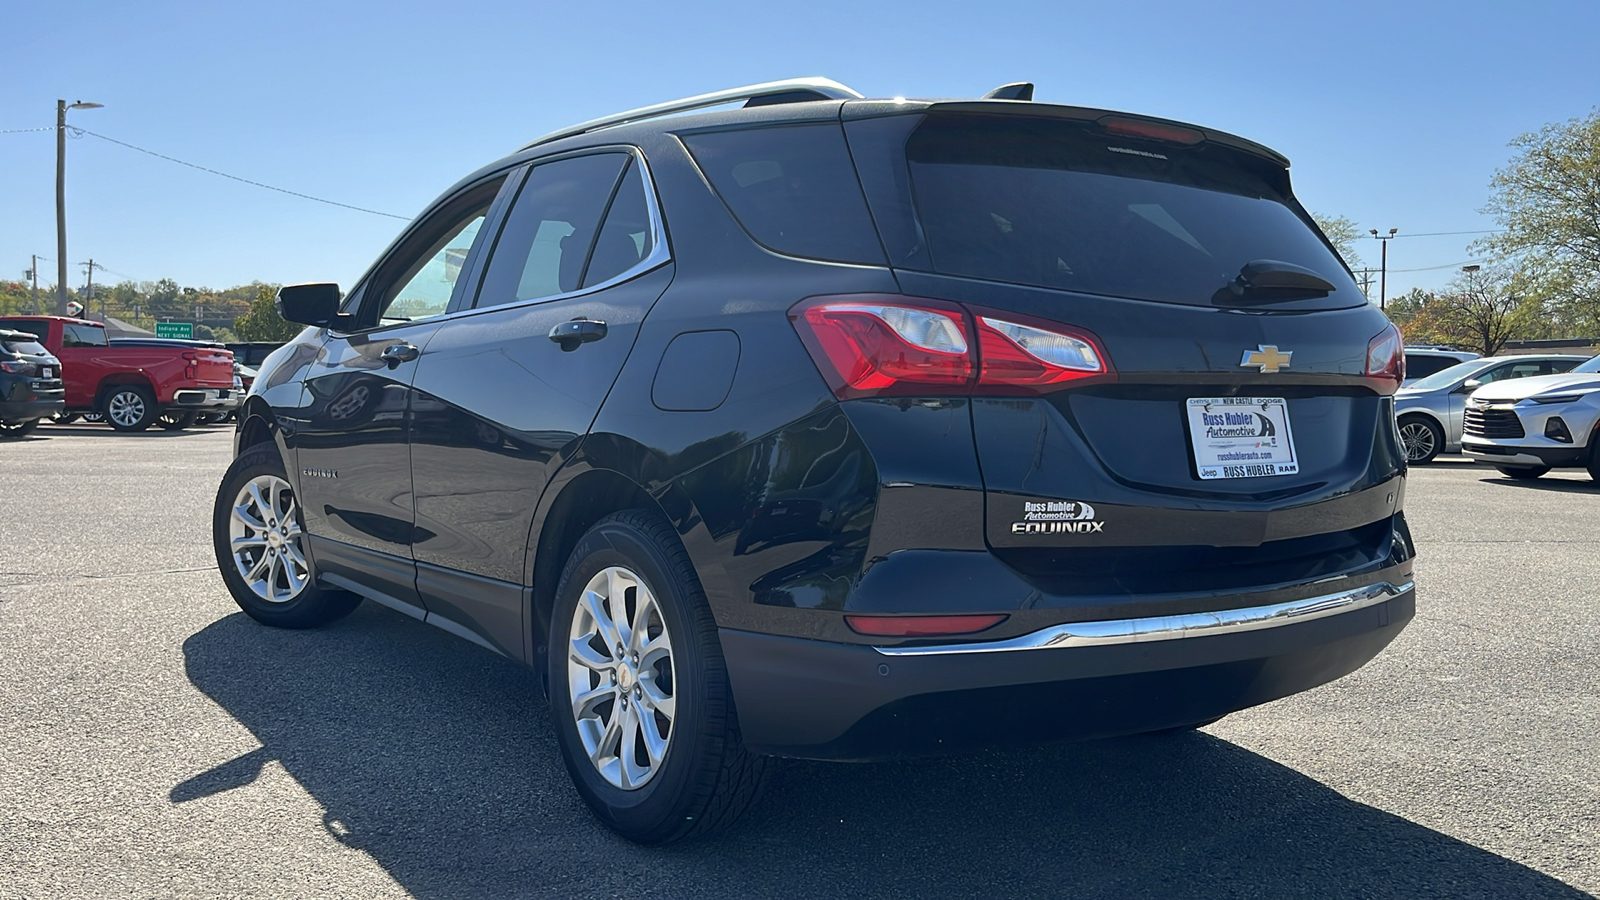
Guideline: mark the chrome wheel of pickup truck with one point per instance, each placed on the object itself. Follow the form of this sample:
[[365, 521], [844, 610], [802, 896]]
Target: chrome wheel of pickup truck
[[130, 407]]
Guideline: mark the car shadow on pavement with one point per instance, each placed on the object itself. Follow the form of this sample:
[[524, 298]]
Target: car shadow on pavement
[[1559, 485], [436, 758]]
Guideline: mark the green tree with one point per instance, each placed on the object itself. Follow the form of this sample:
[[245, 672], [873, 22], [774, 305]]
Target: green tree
[[1548, 201], [1342, 234], [262, 322]]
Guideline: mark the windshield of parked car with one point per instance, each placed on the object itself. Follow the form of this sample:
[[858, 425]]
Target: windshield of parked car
[[1592, 365], [1449, 377], [22, 347]]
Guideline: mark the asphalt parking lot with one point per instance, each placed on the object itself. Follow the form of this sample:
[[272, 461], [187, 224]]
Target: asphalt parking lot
[[155, 742]]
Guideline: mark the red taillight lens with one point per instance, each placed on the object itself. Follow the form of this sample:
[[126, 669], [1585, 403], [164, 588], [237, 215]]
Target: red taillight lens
[[1014, 355], [921, 626], [876, 345], [1386, 358], [872, 345]]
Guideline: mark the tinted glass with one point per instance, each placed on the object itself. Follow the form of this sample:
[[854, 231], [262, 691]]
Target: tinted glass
[[1055, 204], [40, 330], [1559, 366], [624, 239], [545, 243], [1447, 377], [793, 188], [1593, 365], [1421, 366], [83, 336], [24, 348]]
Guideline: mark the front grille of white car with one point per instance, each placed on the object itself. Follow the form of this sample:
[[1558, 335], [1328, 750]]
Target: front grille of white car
[[1488, 422]]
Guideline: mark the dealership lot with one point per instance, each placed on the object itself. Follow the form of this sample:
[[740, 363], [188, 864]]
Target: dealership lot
[[155, 742]]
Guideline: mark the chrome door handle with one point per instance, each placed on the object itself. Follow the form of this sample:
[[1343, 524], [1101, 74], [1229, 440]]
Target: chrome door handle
[[395, 354], [579, 331]]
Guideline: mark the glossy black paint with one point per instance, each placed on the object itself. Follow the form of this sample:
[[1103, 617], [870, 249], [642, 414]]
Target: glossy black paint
[[466, 474]]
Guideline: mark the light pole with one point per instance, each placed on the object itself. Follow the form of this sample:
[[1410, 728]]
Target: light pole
[[1470, 271], [61, 198], [1383, 265]]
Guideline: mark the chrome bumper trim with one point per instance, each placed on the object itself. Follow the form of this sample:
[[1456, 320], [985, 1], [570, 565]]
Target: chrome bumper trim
[[1167, 628]]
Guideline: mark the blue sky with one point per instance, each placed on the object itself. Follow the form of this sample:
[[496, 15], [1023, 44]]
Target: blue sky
[[1395, 114]]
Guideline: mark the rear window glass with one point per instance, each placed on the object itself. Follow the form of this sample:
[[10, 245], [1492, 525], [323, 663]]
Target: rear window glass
[[1059, 205], [24, 346], [40, 330], [793, 188], [83, 336]]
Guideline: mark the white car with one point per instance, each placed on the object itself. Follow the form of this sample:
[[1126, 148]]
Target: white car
[[1527, 426]]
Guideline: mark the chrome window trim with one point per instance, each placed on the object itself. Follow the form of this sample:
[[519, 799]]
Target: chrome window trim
[[1166, 628]]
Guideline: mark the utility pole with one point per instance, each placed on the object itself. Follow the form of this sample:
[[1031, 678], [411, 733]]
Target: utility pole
[[61, 199], [1383, 271], [89, 270], [1366, 284], [33, 275]]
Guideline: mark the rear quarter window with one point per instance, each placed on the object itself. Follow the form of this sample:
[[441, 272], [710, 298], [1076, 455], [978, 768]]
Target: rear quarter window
[[24, 347], [793, 188], [1423, 365]]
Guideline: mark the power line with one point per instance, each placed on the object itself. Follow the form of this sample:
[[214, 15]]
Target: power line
[[26, 130], [235, 177], [1443, 233], [1466, 262]]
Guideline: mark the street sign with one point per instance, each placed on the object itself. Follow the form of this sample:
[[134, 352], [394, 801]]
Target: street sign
[[183, 330]]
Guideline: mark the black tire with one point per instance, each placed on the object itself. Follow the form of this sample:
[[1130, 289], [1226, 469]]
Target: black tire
[[94, 418], [1594, 456], [706, 779], [208, 418], [1421, 439], [64, 418], [129, 407], [314, 605], [17, 429], [1523, 473], [173, 420]]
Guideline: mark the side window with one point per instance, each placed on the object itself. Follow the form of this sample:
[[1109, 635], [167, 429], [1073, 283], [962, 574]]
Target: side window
[[1421, 366], [1495, 374], [1523, 370], [419, 279], [793, 188], [545, 245], [624, 239], [1559, 366], [83, 336]]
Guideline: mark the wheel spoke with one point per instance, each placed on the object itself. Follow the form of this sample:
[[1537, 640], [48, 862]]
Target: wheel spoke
[[259, 570], [644, 606], [582, 653], [583, 705], [656, 699], [617, 584], [654, 651], [293, 553], [632, 773], [242, 515], [603, 747], [596, 606], [263, 508], [655, 743], [248, 541]]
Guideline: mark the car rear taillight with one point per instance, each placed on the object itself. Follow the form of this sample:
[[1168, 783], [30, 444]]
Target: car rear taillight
[[191, 367], [921, 626], [881, 345], [16, 367], [1386, 359]]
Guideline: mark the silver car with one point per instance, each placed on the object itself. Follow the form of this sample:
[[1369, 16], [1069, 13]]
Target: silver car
[[1429, 410]]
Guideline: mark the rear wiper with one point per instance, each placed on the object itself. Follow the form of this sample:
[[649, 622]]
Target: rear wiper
[[1270, 281]]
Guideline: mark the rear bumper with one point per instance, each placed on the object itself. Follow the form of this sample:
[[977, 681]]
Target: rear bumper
[[207, 398], [826, 700], [28, 410]]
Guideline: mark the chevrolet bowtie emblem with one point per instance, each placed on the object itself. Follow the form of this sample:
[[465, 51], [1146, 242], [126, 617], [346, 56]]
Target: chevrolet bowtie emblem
[[1267, 357]]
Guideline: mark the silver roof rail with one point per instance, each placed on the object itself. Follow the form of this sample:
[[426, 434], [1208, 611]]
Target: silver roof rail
[[824, 88]]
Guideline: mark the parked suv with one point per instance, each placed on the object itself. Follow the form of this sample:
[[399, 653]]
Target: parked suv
[[1429, 409], [30, 383], [1424, 361], [1528, 427], [840, 428]]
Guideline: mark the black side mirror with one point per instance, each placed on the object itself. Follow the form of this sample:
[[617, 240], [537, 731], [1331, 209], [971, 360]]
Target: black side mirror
[[309, 304]]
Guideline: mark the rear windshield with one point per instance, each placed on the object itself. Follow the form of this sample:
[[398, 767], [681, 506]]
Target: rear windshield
[[38, 329], [28, 347], [83, 336], [1060, 205]]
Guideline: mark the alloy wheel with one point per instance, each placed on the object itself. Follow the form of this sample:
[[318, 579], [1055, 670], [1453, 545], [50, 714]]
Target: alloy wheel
[[1418, 441], [265, 540], [126, 408], [620, 678]]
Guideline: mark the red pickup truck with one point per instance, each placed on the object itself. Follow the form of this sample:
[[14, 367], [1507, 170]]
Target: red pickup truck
[[132, 385]]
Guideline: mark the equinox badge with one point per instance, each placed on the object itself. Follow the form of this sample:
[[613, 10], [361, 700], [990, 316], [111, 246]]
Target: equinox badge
[[1267, 357]]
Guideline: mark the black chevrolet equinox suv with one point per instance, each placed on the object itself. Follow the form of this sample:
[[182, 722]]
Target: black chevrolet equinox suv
[[783, 422]]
